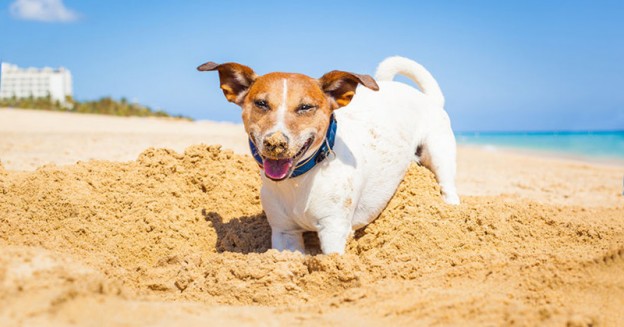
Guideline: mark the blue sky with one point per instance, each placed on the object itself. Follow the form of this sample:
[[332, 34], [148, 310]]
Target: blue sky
[[502, 65]]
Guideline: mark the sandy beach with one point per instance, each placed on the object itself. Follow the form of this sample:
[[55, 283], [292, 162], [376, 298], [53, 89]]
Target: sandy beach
[[140, 221]]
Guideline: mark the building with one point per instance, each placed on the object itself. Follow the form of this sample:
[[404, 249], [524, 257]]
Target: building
[[36, 82]]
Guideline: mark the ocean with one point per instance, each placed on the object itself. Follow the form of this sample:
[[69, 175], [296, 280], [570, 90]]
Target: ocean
[[600, 145]]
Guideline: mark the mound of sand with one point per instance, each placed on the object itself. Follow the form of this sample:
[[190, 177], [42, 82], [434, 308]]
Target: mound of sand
[[181, 238]]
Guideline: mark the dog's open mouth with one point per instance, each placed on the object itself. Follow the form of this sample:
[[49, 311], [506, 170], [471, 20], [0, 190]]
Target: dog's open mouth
[[279, 169]]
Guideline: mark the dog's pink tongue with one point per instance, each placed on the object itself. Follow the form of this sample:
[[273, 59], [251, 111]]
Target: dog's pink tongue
[[277, 168]]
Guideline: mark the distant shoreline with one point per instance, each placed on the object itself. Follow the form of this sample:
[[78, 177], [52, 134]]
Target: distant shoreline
[[557, 132], [592, 146], [547, 154], [24, 122]]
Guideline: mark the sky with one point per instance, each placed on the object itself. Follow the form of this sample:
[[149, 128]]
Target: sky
[[502, 65]]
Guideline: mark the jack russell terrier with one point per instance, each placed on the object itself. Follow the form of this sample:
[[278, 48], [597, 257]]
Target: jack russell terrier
[[333, 171]]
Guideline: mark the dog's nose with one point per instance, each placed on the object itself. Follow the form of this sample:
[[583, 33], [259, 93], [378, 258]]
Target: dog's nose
[[276, 143]]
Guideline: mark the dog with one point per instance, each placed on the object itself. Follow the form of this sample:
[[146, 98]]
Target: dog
[[331, 169]]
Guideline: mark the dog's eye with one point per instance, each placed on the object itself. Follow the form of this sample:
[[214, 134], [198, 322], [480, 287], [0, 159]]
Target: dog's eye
[[262, 104], [305, 108]]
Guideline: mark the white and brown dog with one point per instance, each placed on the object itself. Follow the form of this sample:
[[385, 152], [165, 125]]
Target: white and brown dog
[[333, 171]]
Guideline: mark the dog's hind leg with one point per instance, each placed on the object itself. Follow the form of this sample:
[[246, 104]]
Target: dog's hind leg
[[438, 153]]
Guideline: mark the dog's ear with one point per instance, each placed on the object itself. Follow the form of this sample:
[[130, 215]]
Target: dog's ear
[[235, 79], [340, 86]]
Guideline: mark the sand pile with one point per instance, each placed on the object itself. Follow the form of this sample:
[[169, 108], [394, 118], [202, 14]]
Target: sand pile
[[181, 238]]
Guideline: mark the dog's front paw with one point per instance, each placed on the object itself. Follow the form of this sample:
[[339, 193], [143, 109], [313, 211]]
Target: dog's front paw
[[452, 198]]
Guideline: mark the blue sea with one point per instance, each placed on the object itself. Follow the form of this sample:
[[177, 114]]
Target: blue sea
[[602, 145]]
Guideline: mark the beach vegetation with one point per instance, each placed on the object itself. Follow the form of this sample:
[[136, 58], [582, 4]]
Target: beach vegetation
[[103, 106]]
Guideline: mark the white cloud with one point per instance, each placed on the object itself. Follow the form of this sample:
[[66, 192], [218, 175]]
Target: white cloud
[[42, 10]]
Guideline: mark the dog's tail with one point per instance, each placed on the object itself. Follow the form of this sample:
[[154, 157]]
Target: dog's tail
[[392, 66]]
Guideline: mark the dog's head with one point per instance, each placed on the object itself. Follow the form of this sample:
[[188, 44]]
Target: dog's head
[[286, 115]]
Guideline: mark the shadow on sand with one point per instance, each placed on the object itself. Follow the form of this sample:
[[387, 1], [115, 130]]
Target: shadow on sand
[[249, 234]]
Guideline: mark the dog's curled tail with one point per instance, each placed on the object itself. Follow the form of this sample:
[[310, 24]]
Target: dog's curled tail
[[392, 66]]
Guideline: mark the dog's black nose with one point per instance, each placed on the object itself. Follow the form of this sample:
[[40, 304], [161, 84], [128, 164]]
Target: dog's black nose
[[276, 143]]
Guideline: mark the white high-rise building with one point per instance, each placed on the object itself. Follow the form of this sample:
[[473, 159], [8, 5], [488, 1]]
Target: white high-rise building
[[36, 82]]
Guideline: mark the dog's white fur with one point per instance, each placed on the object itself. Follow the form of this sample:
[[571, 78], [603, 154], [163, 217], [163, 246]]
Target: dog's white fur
[[377, 138]]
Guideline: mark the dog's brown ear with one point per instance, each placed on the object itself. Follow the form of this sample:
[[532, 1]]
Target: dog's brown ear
[[235, 79], [340, 86]]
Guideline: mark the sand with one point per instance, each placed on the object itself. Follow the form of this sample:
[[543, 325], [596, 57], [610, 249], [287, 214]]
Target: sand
[[32, 138], [179, 238]]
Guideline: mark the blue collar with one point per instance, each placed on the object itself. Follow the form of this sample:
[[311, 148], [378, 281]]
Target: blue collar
[[305, 165]]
